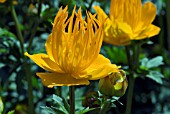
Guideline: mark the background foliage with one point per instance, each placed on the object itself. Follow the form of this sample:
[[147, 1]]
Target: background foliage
[[151, 92]]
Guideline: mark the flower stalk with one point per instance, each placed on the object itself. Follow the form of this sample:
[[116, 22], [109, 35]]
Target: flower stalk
[[72, 99], [30, 88], [26, 66], [130, 94], [19, 34], [133, 60], [105, 107]]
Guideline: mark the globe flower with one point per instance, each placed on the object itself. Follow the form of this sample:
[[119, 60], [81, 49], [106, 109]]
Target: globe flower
[[128, 20], [114, 84], [73, 51]]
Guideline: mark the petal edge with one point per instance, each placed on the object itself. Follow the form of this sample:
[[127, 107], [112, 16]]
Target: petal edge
[[60, 79]]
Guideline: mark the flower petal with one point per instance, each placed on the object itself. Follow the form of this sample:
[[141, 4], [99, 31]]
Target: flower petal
[[150, 31], [59, 79], [118, 34], [118, 41], [100, 68], [116, 9], [101, 14], [44, 62], [48, 46], [148, 13]]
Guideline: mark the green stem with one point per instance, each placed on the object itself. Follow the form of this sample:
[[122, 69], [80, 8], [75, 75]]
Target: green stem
[[32, 36], [72, 100], [19, 34], [130, 95], [136, 55], [30, 88], [105, 107], [128, 56], [168, 22], [59, 91], [133, 65], [34, 30], [26, 66]]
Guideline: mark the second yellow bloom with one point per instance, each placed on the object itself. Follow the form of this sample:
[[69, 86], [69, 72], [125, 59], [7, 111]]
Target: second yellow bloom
[[128, 20]]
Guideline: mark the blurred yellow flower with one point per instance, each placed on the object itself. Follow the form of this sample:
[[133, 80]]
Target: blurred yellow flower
[[2, 1], [15, 2], [73, 51], [129, 20]]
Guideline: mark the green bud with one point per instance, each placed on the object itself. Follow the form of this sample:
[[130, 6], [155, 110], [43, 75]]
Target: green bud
[[114, 85]]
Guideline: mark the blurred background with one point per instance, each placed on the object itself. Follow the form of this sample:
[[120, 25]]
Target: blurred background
[[34, 19]]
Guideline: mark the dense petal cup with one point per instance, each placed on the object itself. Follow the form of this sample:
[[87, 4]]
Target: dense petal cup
[[73, 51]]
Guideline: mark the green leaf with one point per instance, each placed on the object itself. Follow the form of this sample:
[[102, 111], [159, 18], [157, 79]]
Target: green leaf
[[59, 111], [79, 97], [1, 106], [114, 98], [155, 62], [144, 62], [4, 32], [156, 76], [114, 52], [66, 105], [48, 109], [11, 112], [59, 101], [35, 82], [84, 110]]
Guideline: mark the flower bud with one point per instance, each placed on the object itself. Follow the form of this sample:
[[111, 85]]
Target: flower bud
[[114, 85], [91, 100]]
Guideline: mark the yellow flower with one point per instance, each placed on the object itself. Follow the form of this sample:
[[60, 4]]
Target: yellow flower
[[129, 20], [73, 51], [2, 1]]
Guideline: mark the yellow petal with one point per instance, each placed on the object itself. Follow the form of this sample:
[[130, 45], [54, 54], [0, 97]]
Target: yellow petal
[[117, 9], [148, 13], [44, 62], [57, 34], [118, 34], [118, 41], [102, 71], [100, 68], [59, 79], [150, 31], [48, 46], [132, 12], [124, 27], [101, 14]]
